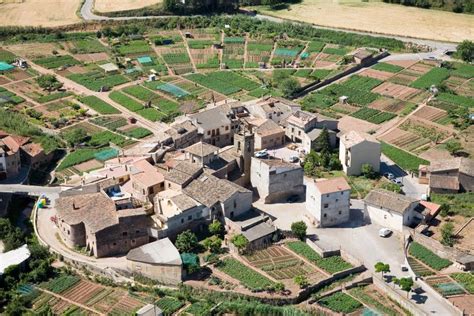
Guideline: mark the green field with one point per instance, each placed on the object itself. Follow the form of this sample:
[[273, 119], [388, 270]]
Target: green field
[[387, 67], [433, 77], [56, 61], [402, 158], [428, 257], [95, 80], [98, 105], [248, 277]]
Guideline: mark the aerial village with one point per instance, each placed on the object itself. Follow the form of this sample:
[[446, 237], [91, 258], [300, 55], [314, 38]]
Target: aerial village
[[332, 177]]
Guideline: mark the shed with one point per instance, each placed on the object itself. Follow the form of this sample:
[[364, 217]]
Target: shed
[[149, 310], [109, 67], [158, 260], [13, 257], [145, 60], [5, 66]]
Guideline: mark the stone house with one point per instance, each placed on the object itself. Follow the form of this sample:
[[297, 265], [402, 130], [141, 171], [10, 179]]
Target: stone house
[[272, 108], [221, 197], [214, 126], [448, 176], [328, 201], [268, 134], [357, 149], [276, 180], [176, 212], [10, 159], [304, 128], [391, 210], [34, 155], [158, 260], [92, 221], [145, 181], [183, 134]]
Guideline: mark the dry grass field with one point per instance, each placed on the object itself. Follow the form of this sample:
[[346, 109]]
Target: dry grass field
[[381, 18], [122, 5], [40, 13]]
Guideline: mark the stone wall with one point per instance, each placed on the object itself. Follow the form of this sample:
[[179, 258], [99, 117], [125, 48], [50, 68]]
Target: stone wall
[[323, 252]]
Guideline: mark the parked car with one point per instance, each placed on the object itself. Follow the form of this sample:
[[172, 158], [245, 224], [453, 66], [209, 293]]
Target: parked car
[[385, 232], [294, 159], [404, 268], [397, 181], [261, 154], [389, 175]]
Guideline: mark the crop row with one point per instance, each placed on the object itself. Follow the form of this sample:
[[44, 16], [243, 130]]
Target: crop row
[[330, 264], [373, 115], [428, 257], [248, 277], [98, 105]]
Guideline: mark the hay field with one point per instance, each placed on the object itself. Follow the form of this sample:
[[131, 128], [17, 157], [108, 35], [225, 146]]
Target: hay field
[[381, 18], [122, 5], [40, 13]]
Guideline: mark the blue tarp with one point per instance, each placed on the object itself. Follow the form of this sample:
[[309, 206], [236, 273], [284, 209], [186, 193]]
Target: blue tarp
[[144, 60], [5, 66]]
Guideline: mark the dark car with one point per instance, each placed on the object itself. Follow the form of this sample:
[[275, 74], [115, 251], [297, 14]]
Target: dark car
[[293, 199]]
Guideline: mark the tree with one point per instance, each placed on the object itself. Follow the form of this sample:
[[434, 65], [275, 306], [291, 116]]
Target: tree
[[368, 171], [299, 229], [465, 51], [74, 136], [453, 146], [323, 142], [240, 241], [447, 237], [289, 86], [405, 284], [444, 210], [278, 287], [381, 267], [186, 241], [213, 243], [215, 227], [49, 82], [301, 281]]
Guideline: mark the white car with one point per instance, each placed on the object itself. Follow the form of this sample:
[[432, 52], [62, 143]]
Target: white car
[[261, 154], [385, 232], [293, 159]]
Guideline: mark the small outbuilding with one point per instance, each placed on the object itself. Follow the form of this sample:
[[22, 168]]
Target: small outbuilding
[[14, 257], [109, 68], [158, 260]]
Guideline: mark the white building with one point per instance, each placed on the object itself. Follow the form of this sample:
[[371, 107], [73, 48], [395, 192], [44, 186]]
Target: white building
[[357, 149], [13, 257], [328, 201], [391, 210]]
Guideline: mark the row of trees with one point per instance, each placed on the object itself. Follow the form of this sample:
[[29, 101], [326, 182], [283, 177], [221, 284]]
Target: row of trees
[[458, 6]]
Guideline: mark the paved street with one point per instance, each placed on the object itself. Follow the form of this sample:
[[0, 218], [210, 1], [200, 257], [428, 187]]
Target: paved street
[[411, 187]]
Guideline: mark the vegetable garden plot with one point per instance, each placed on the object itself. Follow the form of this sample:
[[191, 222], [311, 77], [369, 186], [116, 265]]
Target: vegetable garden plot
[[396, 91], [57, 61], [207, 58], [428, 257], [402, 158], [258, 52], [418, 268], [61, 283], [402, 79], [377, 74], [433, 77], [247, 276], [373, 116], [110, 122], [425, 129], [86, 46], [431, 113], [405, 139], [387, 67], [83, 291], [224, 82], [340, 302], [169, 305], [134, 48], [445, 285], [393, 105], [330, 264], [98, 105], [354, 93], [172, 89], [8, 97], [376, 300], [95, 80], [466, 280], [233, 53]]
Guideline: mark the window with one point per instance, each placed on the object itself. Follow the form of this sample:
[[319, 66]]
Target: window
[[325, 215], [385, 217], [190, 217], [227, 128], [133, 241], [124, 234], [137, 231], [337, 200], [326, 205], [340, 212], [182, 220], [115, 244], [208, 132], [342, 193], [235, 204]]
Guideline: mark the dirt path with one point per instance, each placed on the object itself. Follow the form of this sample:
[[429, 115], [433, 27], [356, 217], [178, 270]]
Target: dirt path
[[221, 51], [246, 53], [188, 50], [71, 301]]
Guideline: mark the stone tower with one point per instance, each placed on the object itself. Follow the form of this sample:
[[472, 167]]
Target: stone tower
[[244, 144]]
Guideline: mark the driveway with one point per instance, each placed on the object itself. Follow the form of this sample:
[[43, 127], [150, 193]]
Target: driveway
[[411, 187]]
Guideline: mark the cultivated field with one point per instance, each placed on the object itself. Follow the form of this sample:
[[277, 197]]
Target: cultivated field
[[382, 18], [40, 13], [122, 5]]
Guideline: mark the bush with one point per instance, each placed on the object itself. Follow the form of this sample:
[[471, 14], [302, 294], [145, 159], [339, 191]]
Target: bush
[[299, 229]]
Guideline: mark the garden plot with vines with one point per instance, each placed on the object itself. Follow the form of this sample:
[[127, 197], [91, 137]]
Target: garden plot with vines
[[201, 47], [287, 51], [176, 58], [258, 51]]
